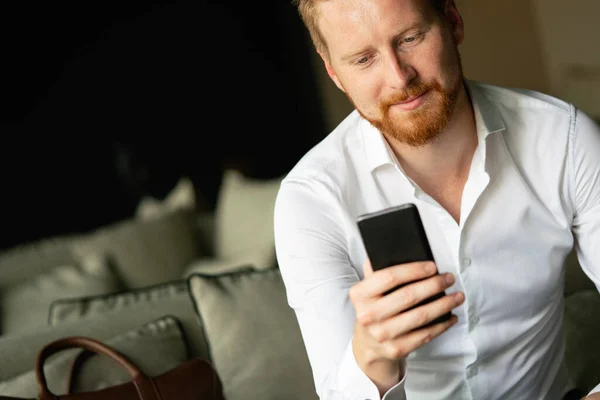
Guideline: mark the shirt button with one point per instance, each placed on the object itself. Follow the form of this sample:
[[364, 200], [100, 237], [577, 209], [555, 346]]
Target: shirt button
[[473, 320], [471, 372], [466, 262]]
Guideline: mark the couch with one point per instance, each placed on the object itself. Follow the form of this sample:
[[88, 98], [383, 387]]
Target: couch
[[172, 283]]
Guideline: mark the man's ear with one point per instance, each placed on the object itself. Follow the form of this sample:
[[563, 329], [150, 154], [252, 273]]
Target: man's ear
[[331, 72], [455, 20]]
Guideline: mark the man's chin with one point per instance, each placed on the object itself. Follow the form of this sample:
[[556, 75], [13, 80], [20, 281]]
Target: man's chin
[[417, 127], [411, 129], [412, 138]]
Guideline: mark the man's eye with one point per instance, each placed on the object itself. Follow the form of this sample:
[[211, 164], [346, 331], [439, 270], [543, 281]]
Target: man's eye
[[414, 39], [362, 60]]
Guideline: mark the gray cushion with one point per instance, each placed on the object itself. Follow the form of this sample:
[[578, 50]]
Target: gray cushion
[[155, 348], [147, 251], [24, 306], [23, 262], [134, 307], [254, 337], [582, 333], [213, 266], [243, 230]]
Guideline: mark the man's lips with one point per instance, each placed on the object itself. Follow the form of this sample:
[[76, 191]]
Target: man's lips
[[411, 103]]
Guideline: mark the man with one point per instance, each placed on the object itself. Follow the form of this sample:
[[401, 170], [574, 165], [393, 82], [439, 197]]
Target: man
[[506, 182]]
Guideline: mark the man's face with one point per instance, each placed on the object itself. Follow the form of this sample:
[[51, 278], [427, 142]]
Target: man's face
[[397, 61]]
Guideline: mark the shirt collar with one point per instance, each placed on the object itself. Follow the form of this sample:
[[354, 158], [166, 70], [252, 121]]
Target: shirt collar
[[377, 149], [487, 116], [487, 119]]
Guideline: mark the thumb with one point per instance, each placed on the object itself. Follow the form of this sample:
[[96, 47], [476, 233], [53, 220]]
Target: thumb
[[367, 268]]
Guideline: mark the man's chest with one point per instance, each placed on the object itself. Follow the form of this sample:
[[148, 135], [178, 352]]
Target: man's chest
[[511, 240]]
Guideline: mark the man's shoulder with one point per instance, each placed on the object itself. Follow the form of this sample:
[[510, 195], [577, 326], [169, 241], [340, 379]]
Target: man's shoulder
[[328, 160], [521, 99]]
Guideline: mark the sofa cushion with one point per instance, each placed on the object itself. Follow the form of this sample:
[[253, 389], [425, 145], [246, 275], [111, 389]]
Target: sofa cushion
[[244, 220], [147, 251], [212, 266], [23, 262], [182, 196], [24, 306], [205, 222], [155, 348], [134, 307], [254, 337], [582, 328]]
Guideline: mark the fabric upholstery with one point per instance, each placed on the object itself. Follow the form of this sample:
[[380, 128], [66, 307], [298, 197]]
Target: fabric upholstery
[[244, 220], [24, 306], [255, 341], [134, 307], [21, 263], [147, 251], [155, 347]]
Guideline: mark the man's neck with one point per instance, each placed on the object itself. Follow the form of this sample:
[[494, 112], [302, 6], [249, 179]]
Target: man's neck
[[450, 154], [441, 168]]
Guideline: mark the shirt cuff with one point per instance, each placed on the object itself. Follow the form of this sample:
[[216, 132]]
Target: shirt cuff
[[356, 384]]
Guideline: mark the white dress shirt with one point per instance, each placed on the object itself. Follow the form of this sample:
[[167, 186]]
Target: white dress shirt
[[533, 192]]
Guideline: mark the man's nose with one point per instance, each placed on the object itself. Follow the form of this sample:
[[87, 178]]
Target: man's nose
[[399, 72]]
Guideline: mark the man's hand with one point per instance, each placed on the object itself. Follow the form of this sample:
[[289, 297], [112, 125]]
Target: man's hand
[[594, 396], [386, 329]]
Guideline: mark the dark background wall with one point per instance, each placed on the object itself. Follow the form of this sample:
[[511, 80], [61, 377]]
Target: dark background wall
[[106, 101]]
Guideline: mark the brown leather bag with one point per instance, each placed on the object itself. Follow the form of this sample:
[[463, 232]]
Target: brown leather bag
[[194, 380]]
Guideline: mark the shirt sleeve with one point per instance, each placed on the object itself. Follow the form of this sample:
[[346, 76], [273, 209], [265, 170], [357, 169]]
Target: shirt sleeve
[[594, 390], [585, 156], [312, 254]]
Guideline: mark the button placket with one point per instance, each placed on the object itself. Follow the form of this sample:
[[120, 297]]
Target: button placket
[[451, 232], [473, 321], [465, 262], [472, 371]]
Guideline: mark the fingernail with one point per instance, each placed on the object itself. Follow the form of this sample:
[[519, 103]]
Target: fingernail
[[449, 279], [459, 297], [430, 268]]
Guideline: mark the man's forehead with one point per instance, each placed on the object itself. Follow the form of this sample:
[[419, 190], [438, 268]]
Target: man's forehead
[[344, 19], [348, 5], [341, 14], [336, 13]]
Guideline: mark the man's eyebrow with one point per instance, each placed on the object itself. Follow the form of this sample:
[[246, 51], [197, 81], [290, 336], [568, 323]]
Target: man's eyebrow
[[417, 25]]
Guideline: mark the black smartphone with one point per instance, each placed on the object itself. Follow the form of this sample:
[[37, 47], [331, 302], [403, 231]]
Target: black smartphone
[[395, 236]]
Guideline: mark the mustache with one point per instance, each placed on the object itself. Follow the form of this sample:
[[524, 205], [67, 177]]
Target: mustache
[[412, 91]]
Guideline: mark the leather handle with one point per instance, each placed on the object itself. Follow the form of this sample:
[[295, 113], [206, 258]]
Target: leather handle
[[85, 343], [75, 366]]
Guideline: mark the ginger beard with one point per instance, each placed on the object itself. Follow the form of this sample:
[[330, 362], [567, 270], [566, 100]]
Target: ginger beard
[[422, 125]]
